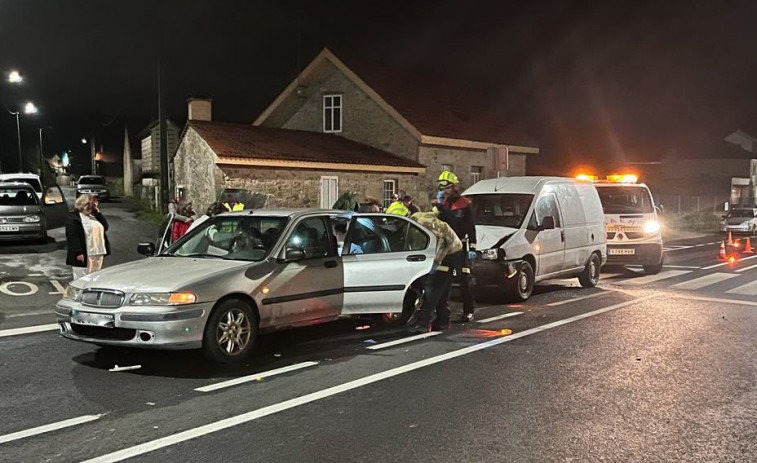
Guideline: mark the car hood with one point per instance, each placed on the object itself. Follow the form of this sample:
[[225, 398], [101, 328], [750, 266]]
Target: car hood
[[737, 220], [487, 236], [19, 210], [92, 185], [157, 274]]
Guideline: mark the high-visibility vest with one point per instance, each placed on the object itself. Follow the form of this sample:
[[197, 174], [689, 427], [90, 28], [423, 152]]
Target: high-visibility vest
[[398, 208], [237, 207]]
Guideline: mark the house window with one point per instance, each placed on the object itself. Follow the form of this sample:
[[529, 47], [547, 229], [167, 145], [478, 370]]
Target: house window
[[476, 174], [390, 188], [332, 113], [447, 167]]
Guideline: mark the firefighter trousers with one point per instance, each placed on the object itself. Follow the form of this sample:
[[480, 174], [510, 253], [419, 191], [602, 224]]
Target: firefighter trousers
[[459, 262], [435, 298]]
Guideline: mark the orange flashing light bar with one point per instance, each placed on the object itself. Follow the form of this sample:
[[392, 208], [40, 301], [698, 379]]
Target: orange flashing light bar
[[615, 178], [586, 177]]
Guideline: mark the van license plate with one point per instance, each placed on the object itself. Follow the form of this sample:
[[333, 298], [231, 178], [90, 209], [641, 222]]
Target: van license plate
[[9, 228], [621, 252], [93, 319]]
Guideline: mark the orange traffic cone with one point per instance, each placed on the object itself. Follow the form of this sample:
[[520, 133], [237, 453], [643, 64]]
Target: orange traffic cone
[[748, 246], [730, 239], [721, 254]]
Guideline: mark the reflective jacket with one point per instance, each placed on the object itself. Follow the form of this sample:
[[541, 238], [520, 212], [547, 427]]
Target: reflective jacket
[[399, 208], [236, 207]]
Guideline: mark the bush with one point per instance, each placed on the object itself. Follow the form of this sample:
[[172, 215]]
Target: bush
[[143, 211], [704, 221]]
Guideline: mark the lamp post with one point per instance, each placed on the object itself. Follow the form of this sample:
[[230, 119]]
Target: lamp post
[[15, 78], [29, 108]]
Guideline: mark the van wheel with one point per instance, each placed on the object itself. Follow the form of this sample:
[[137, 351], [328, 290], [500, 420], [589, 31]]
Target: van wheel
[[411, 304], [231, 332], [653, 269], [523, 283], [590, 276]]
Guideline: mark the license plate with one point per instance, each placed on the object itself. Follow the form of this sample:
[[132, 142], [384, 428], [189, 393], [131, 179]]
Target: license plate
[[93, 319], [8, 228], [621, 252]]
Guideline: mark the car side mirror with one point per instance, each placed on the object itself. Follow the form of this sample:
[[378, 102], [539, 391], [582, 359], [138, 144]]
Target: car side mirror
[[294, 254], [547, 223], [660, 209], [146, 249]]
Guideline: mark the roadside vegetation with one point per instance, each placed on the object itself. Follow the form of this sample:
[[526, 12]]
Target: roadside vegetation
[[701, 222], [143, 211]]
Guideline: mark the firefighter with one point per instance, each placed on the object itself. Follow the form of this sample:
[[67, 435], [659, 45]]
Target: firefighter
[[232, 205], [402, 206], [457, 212]]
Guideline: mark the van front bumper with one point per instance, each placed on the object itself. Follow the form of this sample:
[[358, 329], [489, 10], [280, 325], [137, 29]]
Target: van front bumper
[[641, 253], [492, 273]]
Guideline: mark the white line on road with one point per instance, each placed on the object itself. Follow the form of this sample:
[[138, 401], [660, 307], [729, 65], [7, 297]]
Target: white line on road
[[29, 314], [48, 428], [727, 263], [747, 268], [58, 287], [703, 281], [384, 345], [255, 377], [690, 267], [499, 317], [749, 289], [652, 278], [28, 329], [715, 299], [576, 299], [226, 423]]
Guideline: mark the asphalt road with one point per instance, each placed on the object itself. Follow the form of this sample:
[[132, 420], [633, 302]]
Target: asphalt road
[[639, 369]]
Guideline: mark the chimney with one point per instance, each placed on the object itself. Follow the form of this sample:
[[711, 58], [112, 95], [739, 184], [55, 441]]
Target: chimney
[[200, 109]]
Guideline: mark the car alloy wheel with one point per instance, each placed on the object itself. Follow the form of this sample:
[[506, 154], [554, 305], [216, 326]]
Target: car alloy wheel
[[233, 331]]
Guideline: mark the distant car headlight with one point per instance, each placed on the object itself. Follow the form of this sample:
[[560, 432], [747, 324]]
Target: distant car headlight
[[490, 254], [71, 293], [651, 226], [163, 298], [31, 219]]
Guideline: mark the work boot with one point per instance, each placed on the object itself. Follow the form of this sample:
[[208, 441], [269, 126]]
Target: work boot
[[466, 318], [440, 326], [418, 328]]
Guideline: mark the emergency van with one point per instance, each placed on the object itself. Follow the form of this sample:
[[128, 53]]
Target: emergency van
[[633, 228], [531, 229]]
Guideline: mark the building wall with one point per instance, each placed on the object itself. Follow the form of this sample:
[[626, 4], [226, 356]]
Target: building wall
[[302, 188], [152, 160], [363, 119], [701, 176], [195, 170]]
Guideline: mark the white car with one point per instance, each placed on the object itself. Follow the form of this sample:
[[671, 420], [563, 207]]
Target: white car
[[740, 221], [32, 179], [242, 273]]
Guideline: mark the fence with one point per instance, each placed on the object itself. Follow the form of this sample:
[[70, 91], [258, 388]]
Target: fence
[[687, 203]]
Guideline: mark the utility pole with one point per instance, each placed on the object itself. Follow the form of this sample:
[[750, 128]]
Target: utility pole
[[93, 167], [164, 189], [41, 155]]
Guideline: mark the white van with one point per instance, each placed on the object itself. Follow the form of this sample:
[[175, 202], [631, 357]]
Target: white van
[[531, 229], [633, 229]]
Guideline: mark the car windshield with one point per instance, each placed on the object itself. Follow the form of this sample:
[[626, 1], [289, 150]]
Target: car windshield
[[92, 181], [625, 200], [34, 183], [742, 213], [10, 196], [230, 237], [503, 210]]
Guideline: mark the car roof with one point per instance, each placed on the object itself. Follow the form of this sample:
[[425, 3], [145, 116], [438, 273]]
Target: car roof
[[4, 184], [283, 212], [518, 185], [19, 175]]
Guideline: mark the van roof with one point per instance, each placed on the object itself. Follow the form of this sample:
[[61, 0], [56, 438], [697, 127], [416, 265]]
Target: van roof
[[523, 185]]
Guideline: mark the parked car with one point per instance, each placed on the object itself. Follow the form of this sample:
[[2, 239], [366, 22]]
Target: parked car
[[93, 184], [24, 217], [531, 229], [243, 273], [740, 221], [32, 179]]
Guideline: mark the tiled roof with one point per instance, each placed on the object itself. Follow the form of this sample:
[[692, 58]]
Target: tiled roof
[[266, 143]]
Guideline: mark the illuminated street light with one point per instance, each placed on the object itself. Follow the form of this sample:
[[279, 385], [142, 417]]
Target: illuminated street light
[[83, 141], [14, 77], [29, 108]]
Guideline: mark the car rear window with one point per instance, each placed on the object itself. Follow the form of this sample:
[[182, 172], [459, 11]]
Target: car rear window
[[92, 180], [17, 197]]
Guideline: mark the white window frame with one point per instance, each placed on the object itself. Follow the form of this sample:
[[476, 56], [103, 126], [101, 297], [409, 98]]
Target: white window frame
[[326, 203], [446, 167], [476, 176], [326, 107], [387, 201]]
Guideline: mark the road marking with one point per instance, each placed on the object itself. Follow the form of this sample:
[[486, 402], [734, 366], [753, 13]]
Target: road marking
[[749, 289], [715, 299], [58, 287], [747, 268], [384, 345], [706, 280], [226, 423], [691, 267], [727, 263], [48, 428], [29, 314], [652, 278], [499, 317], [568, 301], [6, 288], [28, 329], [255, 377]]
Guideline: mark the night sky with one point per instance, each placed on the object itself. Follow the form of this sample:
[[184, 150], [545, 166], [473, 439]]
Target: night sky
[[594, 83]]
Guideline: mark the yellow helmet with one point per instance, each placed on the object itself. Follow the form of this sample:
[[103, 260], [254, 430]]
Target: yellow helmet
[[447, 178]]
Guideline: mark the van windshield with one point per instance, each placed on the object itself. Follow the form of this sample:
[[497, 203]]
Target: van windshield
[[625, 200], [502, 210]]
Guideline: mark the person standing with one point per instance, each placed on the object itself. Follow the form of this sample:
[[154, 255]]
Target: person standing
[[404, 207], [456, 210], [85, 234]]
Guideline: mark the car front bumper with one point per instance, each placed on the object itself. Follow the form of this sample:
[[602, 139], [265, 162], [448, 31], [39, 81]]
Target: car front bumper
[[26, 231], [155, 327], [642, 253]]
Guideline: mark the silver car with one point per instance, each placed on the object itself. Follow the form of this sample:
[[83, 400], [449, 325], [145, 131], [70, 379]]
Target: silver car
[[740, 221], [239, 274], [93, 184], [24, 216]]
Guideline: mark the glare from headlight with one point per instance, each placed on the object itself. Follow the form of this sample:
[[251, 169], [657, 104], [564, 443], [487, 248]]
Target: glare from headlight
[[163, 298], [490, 254], [31, 219], [651, 226], [71, 293]]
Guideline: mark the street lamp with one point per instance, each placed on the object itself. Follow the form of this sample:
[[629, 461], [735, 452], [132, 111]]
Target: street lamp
[[29, 108], [14, 77]]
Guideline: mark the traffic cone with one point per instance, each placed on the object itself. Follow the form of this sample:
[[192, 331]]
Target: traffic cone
[[748, 246], [730, 239], [721, 254]]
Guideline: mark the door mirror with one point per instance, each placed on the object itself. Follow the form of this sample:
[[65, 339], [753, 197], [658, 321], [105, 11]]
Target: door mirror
[[660, 209], [294, 254], [146, 249], [547, 223]]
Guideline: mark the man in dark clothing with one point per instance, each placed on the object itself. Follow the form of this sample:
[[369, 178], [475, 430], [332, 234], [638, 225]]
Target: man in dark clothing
[[457, 212]]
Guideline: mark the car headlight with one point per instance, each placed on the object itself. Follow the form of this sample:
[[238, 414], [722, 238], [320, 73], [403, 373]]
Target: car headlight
[[31, 219], [71, 293], [490, 254], [651, 226], [163, 298]]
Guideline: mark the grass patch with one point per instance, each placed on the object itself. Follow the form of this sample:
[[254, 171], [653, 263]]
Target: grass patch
[[704, 221], [141, 208]]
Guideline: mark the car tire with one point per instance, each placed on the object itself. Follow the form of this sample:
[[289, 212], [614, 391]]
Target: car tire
[[590, 276], [523, 284], [230, 332], [653, 269], [411, 304]]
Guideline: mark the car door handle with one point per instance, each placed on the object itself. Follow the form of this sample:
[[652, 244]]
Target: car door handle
[[416, 258], [562, 235], [329, 264]]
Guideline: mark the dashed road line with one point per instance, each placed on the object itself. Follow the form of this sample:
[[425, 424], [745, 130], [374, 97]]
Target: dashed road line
[[28, 330], [714, 299], [568, 301], [707, 280], [664, 275], [255, 377], [747, 268], [30, 314], [48, 428], [749, 289], [728, 263], [499, 317], [396, 342]]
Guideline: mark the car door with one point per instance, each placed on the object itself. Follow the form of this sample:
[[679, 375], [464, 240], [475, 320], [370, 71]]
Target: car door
[[54, 207], [383, 254], [309, 287], [165, 235], [549, 243]]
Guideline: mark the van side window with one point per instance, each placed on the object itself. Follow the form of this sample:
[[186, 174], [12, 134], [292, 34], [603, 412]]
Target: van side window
[[546, 206]]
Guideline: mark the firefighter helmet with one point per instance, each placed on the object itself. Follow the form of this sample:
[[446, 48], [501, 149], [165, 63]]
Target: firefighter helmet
[[447, 179]]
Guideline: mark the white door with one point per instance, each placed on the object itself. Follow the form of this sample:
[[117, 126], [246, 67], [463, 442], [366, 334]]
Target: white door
[[329, 191], [381, 257], [551, 243]]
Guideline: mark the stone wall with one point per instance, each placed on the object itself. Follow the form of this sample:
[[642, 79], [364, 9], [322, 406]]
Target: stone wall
[[363, 120], [195, 170]]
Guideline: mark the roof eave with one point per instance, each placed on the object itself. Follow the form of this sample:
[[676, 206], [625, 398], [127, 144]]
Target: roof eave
[[281, 163]]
